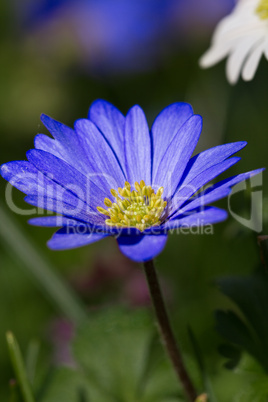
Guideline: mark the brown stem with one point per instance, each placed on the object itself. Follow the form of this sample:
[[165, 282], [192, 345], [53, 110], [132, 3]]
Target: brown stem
[[166, 331]]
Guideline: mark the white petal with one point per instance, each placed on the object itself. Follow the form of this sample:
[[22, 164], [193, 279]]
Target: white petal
[[252, 62], [266, 49], [237, 58], [214, 55]]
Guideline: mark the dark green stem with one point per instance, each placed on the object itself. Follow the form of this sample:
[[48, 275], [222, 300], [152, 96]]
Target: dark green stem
[[166, 331]]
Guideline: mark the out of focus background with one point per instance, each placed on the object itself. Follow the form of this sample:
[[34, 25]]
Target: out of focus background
[[56, 58]]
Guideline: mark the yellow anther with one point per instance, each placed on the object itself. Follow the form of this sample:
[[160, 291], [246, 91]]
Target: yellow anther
[[127, 185], [120, 204], [140, 208], [103, 211], [160, 191], [158, 203], [134, 194], [113, 192], [125, 192], [116, 207], [125, 203], [137, 186], [144, 190], [108, 202]]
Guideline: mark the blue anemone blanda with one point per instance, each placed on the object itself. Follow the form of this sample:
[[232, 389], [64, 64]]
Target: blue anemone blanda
[[110, 36], [112, 176]]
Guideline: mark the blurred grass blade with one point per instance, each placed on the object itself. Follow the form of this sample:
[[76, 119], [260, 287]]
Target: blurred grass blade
[[31, 359], [18, 365], [202, 369], [13, 386], [52, 285]]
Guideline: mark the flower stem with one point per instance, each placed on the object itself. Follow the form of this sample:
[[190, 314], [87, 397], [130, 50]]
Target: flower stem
[[166, 331]]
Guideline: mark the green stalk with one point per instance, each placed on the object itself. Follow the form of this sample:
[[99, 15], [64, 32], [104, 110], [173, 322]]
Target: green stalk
[[18, 365], [166, 332]]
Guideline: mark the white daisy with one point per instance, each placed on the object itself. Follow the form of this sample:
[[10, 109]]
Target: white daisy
[[243, 37]]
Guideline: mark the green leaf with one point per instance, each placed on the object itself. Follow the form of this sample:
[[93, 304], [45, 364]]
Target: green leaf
[[66, 385], [255, 381], [250, 294], [31, 359], [19, 368], [201, 365], [232, 353], [232, 328], [122, 359]]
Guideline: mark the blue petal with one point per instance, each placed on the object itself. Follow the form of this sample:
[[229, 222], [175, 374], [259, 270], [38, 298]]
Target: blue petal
[[68, 177], [53, 221], [177, 155], [87, 227], [45, 193], [24, 176], [63, 240], [208, 215], [137, 147], [104, 167], [47, 144], [71, 148], [217, 191], [68, 206], [166, 126], [111, 122], [208, 158], [142, 247], [186, 191]]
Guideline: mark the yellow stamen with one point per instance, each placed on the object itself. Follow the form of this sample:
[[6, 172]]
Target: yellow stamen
[[108, 202], [262, 9], [140, 208]]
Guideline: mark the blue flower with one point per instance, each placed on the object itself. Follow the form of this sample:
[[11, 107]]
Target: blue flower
[[107, 34], [112, 176], [118, 35]]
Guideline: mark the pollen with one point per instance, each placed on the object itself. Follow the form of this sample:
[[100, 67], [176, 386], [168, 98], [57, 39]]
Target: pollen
[[141, 207], [262, 9]]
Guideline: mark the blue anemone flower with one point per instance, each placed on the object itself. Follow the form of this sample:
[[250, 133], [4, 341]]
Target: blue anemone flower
[[110, 36], [112, 176]]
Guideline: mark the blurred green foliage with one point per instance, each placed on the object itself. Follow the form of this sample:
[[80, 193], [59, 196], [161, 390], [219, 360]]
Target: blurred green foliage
[[30, 85]]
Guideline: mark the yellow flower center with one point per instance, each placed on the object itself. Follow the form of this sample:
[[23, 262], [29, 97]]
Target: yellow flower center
[[262, 9], [140, 208]]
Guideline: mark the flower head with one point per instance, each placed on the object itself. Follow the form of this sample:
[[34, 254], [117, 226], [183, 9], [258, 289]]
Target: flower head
[[243, 38], [159, 185]]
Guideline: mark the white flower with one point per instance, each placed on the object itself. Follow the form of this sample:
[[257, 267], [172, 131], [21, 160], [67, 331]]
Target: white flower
[[243, 37]]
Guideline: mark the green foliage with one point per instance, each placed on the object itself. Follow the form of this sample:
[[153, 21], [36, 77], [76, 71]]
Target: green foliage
[[247, 329], [65, 384], [123, 361], [19, 368], [255, 384], [118, 359]]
